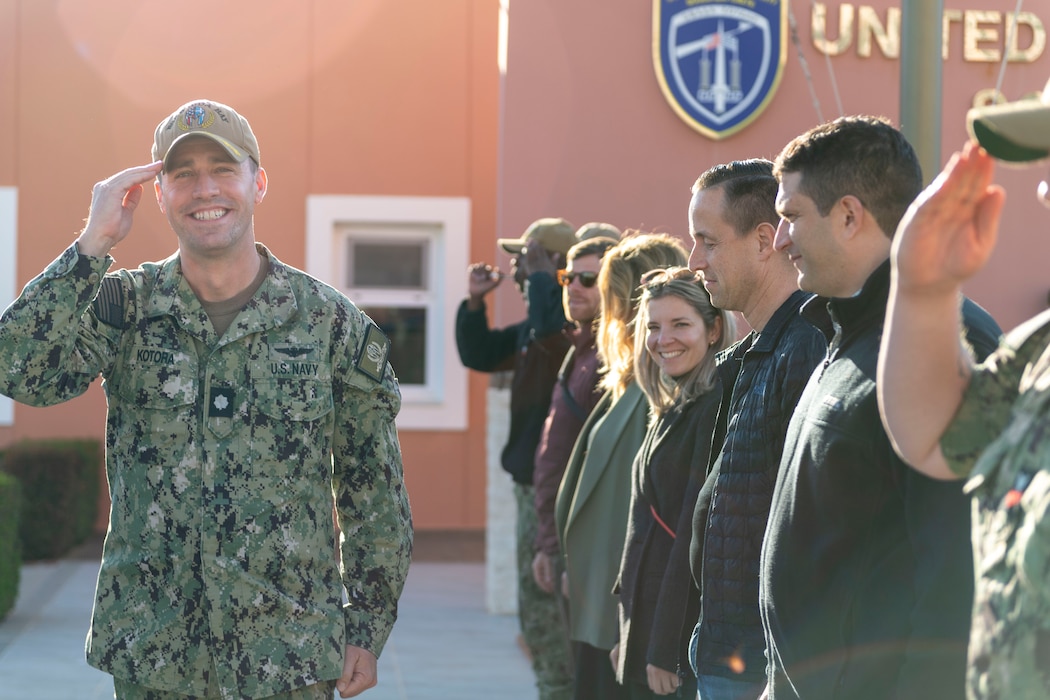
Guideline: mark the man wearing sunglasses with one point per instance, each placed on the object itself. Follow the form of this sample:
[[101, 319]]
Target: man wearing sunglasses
[[534, 349]]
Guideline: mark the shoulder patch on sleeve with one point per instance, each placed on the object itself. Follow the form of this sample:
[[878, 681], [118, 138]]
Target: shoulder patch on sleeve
[[111, 302], [371, 357]]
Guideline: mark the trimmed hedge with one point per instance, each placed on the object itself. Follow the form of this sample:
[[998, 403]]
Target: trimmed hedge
[[10, 559], [87, 488], [59, 481]]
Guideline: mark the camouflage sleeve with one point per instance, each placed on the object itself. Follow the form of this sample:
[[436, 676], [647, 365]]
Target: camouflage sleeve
[[368, 482], [51, 345], [989, 398]]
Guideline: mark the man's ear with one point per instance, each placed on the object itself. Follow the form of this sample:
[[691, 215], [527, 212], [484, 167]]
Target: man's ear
[[156, 190], [260, 184], [852, 215], [765, 234]]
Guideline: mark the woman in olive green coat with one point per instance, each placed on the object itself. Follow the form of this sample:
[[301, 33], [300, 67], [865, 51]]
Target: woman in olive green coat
[[595, 493]]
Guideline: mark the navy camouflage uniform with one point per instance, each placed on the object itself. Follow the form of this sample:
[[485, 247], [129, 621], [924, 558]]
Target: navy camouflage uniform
[[223, 456], [998, 438]]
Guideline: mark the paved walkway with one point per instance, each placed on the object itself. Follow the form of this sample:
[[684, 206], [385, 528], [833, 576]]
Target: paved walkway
[[443, 647]]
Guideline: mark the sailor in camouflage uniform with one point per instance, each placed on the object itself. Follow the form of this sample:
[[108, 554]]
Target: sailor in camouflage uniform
[[243, 395], [988, 423]]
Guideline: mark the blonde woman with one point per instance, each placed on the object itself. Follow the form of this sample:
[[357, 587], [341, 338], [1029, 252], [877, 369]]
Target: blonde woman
[[678, 334], [594, 496]]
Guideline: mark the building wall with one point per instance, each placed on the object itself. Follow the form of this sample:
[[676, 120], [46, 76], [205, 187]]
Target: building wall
[[559, 115], [365, 97], [588, 134]]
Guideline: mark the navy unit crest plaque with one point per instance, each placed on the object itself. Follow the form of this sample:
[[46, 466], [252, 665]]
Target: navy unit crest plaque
[[719, 63]]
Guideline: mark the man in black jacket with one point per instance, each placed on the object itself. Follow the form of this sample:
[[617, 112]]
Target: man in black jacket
[[733, 221], [534, 349], [866, 583]]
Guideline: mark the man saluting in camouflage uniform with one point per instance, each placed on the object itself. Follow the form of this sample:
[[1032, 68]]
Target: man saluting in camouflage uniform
[[987, 422], [243, 394]]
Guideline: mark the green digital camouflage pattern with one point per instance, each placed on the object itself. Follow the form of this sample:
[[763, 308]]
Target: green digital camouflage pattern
[[543, 625], [1000, 438], [223, 455]]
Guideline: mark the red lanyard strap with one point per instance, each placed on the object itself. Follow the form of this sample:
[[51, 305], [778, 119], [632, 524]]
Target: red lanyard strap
[[652, 509]]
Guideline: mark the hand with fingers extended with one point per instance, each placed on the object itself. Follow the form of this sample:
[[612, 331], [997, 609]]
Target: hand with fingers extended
[[113, 204], [949, 231]]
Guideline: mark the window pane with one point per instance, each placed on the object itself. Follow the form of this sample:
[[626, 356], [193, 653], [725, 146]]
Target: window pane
[[407, 330], [387, 265]]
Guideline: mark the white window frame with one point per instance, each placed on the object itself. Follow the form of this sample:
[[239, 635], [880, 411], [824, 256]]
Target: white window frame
[[441, 403], [8, 270]]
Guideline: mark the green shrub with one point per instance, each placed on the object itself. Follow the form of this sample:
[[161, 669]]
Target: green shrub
[[10, 560], [59, 494], [87, 486]]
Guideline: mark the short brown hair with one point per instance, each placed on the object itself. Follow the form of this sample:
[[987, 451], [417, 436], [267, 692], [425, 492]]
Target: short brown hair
[[863, 156], [749, 192]]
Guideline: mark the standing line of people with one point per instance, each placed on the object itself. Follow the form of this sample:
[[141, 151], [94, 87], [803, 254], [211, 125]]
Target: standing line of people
[[780, 512], [775, 516]]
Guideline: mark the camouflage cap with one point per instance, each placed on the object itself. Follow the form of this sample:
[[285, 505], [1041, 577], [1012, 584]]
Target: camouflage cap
[[213, 120], [1016, 132], [555, 235], [596, 229]]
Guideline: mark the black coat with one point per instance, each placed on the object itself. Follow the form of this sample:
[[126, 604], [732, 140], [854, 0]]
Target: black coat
[[655, 587], [867, 575], [767, 373]]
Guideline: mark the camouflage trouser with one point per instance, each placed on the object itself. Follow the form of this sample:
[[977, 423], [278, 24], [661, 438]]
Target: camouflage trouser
[[542, 625], [125, 690]]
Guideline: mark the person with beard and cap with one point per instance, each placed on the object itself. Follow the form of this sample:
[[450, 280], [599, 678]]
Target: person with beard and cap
[[243, 395], [593, 501], [574, 396], [575, 393], [954, 418], [534, 349], [862, 595]]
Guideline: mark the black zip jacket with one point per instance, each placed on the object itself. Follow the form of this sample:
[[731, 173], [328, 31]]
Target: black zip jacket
[[866, 568]]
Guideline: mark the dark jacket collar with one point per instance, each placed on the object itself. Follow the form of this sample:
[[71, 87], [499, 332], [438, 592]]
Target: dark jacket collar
[[767, 339], [843, 314]]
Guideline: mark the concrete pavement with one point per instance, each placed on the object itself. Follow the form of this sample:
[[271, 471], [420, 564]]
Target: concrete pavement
[[445, 646]]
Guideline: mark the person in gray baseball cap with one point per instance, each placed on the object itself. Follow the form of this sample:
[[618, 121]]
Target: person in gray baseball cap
[[243, 396], [534, 348], [953, 418]]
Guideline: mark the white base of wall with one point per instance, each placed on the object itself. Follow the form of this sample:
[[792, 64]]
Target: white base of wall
[[501, 568]]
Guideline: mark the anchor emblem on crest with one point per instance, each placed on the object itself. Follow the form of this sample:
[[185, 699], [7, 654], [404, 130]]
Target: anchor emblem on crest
[[719, 64]]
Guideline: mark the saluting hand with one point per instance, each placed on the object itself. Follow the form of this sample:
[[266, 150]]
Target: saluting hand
[[949, 231], [482, 278], [113, 203]]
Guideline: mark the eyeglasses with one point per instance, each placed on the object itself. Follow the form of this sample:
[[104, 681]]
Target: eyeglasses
[[664, 275], [587, 279]]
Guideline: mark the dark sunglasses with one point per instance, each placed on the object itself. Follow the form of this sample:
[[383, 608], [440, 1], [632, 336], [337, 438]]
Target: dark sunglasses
[[587, 279]]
